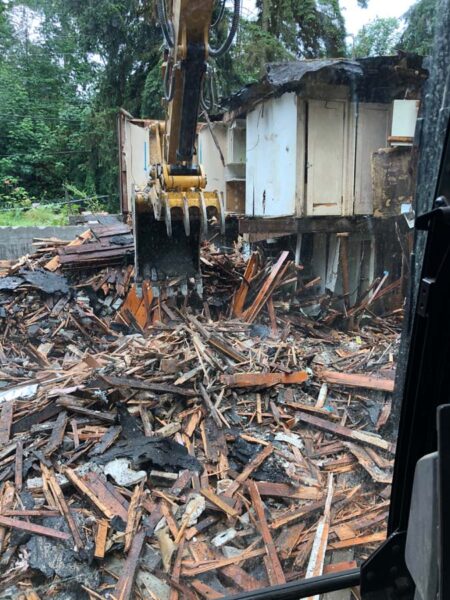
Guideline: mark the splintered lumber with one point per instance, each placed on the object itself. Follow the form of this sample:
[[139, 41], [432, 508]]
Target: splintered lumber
[[211, 408], [284, 490], [380, 536], [290, 516], [138, 384], [191, 571], [367, 462], [233, 572], [176, 572], [274, 568], [6, 503], [319, 548], [98, 493], [32, 528], [243, 380], [219, 502], [124, 586], [18, 470], [148, 385], [205, 590], [241, 294], [100, 538], [346, 432], [266, 290], [54, 263], [133, 517], [62, 505], [359, 381], [57, 434], [256, 462]]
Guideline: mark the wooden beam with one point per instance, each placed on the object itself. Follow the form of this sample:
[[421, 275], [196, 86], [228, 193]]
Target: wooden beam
[[273, 565], [35, 529], [243, 380], [346, 432], [358, 380], [124, 587]]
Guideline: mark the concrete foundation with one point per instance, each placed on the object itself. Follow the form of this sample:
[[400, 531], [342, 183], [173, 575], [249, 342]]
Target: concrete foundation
[[18, 241]]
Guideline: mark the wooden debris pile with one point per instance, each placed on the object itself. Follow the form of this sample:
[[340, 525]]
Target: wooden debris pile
[[195, 459]]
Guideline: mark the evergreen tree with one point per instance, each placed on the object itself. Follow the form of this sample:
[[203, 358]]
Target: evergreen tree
[[419, 32]]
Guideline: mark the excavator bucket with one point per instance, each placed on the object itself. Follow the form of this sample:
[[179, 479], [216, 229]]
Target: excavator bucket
[[168, 231]]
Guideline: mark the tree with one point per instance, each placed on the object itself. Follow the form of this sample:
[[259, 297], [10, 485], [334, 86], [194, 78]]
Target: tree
[[419, 31], [380, 37], [308, 29]]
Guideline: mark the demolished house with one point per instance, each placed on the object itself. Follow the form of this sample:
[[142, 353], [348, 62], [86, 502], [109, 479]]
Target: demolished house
[[152, 447], [322, 150]]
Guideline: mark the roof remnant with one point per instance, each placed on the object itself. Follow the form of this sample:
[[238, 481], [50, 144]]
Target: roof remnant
[[372, 79]]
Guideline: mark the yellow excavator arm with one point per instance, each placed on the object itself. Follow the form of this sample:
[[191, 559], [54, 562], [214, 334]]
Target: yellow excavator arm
[[171, 214]]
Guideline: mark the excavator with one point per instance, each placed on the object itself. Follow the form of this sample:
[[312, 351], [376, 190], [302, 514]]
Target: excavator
[[171, 213]]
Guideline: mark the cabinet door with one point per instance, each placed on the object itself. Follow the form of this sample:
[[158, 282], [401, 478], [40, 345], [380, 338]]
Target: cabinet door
[[373, 131], [325, 157]]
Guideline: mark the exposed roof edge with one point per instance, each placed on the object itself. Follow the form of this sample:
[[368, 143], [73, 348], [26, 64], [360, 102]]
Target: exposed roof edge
[[375, 79]]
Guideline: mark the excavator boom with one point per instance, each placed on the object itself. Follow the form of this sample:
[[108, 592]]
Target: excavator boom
[[172, 212]]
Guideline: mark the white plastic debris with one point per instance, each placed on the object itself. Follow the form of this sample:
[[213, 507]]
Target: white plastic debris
[[119, 470], [223, 537]]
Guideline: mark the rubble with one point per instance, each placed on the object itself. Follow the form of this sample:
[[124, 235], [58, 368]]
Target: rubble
[[210, 448]]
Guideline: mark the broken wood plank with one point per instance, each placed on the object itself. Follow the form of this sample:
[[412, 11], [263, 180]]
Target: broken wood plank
[[241, 294], [274, 568], [138, 384], [57, 435], [62, 505], [358, 380], [97, 492], [263, 379], [100, 538], [124, 586], [219, 502], [212, 565], [284, 490], [317, 557], [252, 312], [352, 434], [369, 464], [35, 529], [380, 536], [18, 470]]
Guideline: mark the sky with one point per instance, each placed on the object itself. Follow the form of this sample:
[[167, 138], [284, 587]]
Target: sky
[[356, 17]]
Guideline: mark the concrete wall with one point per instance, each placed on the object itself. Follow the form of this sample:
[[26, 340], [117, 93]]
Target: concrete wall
[[17, 241]]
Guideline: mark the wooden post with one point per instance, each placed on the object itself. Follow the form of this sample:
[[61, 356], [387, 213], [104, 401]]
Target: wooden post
[[343, 253]]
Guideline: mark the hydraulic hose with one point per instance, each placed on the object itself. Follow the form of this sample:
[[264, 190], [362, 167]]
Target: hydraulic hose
[[165, 25], [169, 88], [220, 15], [218, 52]]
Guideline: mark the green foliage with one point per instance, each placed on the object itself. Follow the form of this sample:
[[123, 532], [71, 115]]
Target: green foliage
[[380, 37], [13, 195], [67, 66], [419, 32], [308, 29], [245, 62], [35, 217]]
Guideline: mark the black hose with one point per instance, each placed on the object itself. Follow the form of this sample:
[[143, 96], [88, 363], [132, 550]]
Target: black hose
[[169, 75], [165, 25], [220, 15], [218, 52]]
